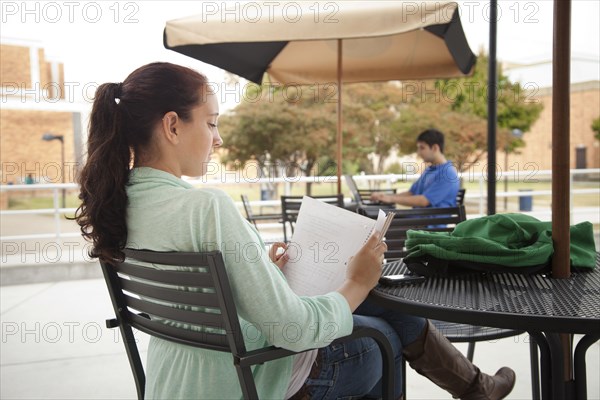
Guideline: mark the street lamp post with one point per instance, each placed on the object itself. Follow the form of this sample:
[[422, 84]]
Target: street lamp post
[[517, 134], [49, 137]]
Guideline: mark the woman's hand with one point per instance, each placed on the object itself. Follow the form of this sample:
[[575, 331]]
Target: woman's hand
[[364, 270], [279, 259], [365, 267]]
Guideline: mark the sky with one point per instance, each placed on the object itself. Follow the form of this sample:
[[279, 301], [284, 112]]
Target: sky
[[103, 41]]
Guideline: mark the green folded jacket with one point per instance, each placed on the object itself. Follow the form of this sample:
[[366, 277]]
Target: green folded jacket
[[512, 240]]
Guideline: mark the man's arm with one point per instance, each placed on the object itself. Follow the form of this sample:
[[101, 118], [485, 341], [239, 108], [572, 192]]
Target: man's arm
[[404, 198]]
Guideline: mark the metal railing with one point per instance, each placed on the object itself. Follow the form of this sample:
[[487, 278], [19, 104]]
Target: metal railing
[[56, 210], [479, 197]]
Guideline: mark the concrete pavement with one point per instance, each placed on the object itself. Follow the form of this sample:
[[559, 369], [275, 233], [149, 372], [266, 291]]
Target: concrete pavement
[[55, 346]]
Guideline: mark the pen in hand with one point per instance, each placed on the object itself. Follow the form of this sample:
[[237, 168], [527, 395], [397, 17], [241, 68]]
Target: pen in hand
[[278, 254], [388, 221]]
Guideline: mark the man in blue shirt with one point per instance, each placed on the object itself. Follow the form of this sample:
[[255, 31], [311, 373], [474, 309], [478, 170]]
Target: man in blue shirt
[[437, 186]]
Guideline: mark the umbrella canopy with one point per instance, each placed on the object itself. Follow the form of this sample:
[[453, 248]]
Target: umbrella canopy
[[312, 43]]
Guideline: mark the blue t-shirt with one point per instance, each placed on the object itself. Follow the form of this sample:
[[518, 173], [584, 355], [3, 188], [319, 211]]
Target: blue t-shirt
[[439, 183]]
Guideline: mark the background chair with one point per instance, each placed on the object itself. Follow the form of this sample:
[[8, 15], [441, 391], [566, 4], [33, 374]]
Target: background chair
[[290, 206], [460, 197], [430, 219], [138, 295], [251, 217]]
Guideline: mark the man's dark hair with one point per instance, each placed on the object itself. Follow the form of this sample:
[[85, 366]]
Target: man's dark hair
[[431, 137]]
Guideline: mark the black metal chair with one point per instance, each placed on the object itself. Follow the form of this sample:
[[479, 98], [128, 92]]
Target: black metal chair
[[290, 206], [440, 220], [430, 219], [138, 295], [460, 197], [251, 217]]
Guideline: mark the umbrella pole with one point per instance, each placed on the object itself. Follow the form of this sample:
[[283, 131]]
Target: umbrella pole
[[561, 83], [339, 117], [561, 78], [492, 111]]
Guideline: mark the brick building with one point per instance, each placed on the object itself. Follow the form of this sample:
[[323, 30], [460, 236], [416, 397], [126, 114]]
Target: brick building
[[584, 108], [34, 102], [585, 151]]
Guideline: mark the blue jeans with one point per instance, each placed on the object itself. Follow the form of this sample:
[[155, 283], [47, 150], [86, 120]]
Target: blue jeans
[[353, 369]]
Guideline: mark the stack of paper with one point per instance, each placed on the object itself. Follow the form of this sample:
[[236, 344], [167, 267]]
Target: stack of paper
[[325, 237]]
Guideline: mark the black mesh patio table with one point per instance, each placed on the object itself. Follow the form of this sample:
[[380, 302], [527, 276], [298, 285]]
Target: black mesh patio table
[[540, 305]]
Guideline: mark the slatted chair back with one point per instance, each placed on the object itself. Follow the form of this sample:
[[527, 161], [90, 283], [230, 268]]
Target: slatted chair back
[[150, 290], [253, 218], [460, 197], [198, 282], [248, 209], [290, 207], [431, 219]]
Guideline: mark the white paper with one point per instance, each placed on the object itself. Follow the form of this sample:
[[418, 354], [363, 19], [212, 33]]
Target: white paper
[[325, 237]]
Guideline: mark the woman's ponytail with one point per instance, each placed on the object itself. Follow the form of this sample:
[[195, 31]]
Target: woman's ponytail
[[123, 119], [101, 215]]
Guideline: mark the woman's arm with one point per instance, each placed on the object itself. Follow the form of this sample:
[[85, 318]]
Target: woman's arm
[[264, 298]]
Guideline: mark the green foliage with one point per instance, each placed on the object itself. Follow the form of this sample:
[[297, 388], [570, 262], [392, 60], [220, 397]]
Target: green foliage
[[596, 128], [284, 134], [394, 168], [465, 134], [369, 112], [514, 109], [34, 200], [296, 127], [298, 130], [274, 131]]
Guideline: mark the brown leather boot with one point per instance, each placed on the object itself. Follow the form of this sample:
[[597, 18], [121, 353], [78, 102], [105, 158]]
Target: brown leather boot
[[434, 357]]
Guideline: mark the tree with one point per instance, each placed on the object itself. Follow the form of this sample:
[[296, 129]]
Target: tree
[[279, 134], [596, 128], [458, 107], [369, 114], [298, 130], [465, 138], [514, 109]]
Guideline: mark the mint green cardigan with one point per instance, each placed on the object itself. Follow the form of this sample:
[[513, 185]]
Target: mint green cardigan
[[166, 213]]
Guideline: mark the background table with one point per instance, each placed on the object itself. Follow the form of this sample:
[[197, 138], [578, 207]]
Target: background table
[[542, 306]]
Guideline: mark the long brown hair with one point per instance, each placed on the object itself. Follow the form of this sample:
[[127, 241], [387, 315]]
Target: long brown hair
[[123, 118]]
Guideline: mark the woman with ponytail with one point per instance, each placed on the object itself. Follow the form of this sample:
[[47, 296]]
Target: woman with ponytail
[[161, 124]]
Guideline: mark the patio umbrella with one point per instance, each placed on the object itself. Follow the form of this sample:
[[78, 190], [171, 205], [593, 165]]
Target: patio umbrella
[[312, 43]]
